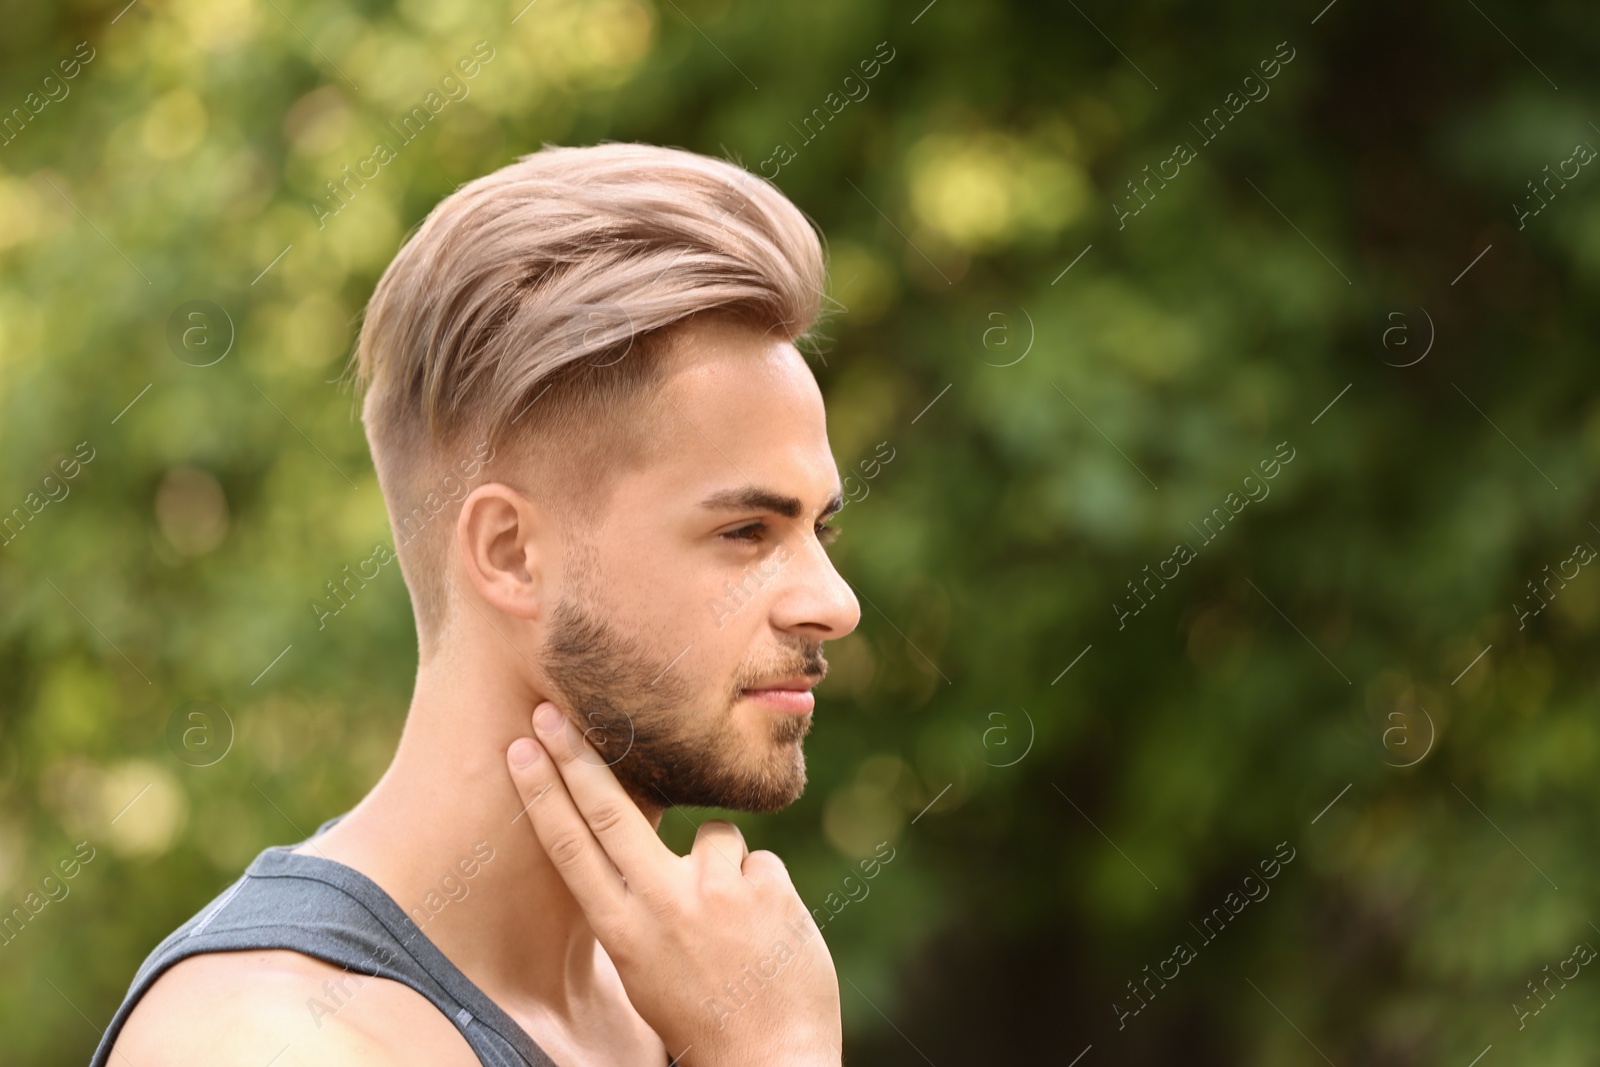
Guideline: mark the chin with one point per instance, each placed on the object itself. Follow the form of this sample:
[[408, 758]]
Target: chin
[[767, 801], [773, 785], [681, 776]]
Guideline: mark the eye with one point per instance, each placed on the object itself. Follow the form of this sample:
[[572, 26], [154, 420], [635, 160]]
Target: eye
[[751, 532], [826, 533]]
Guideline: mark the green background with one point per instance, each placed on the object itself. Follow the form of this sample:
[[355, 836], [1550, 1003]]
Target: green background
[[1055, 830]]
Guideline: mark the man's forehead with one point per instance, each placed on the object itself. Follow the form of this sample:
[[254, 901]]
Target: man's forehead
[[762, 400], [735, 412], [730, 363]]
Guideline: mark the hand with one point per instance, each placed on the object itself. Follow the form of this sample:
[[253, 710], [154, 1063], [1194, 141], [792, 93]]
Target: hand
[[715, 949]]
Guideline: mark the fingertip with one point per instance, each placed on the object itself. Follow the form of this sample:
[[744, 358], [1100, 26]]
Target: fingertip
[[548, 720], [523, 752]]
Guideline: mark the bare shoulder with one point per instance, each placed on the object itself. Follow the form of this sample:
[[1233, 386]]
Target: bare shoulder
[[249, 1008]]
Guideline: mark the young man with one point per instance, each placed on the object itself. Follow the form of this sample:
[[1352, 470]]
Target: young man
[[607, 470]]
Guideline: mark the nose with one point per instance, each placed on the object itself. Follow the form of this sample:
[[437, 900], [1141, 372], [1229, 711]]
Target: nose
[[814, 600]]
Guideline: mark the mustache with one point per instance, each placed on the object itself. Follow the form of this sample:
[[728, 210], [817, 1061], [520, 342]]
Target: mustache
[[808, 661]]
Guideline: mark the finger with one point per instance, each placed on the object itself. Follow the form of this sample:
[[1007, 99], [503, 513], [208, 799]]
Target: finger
[[612, 816], [720, 850], [591, 877], [765, 868]]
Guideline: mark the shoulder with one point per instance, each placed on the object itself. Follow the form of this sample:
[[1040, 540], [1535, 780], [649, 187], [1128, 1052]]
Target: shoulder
[[248, 1008]]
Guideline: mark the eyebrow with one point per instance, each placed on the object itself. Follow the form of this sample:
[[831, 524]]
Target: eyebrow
[[753, 496]]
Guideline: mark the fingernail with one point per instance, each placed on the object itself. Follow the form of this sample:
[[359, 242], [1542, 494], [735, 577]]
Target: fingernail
[[523, 752], [547, 720]]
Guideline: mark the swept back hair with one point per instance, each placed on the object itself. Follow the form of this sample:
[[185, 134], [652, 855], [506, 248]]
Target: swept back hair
[[526, 312]]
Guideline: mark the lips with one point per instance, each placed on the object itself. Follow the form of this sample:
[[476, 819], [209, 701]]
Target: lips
[[798, 682], [791, 694]]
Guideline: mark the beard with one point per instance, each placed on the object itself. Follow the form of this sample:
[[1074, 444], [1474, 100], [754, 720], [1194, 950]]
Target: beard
[[666, 748]]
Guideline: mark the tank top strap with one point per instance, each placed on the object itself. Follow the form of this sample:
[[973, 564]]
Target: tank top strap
[[327, 910]]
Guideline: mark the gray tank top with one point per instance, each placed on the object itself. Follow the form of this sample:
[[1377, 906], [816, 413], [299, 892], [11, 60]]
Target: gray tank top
[[335, 913]]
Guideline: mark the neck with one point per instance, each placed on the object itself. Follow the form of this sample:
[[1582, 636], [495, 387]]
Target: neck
[[445, 802]]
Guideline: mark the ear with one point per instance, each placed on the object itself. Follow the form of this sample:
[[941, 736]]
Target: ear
[[500, 537]]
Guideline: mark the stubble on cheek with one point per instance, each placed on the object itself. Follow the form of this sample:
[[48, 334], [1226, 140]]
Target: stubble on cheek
[[666, 745], [669, 740]]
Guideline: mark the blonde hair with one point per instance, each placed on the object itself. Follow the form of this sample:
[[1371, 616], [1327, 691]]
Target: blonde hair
[[527, 312]]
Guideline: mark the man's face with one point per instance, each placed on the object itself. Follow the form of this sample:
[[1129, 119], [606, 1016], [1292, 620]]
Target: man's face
[[691, 616]]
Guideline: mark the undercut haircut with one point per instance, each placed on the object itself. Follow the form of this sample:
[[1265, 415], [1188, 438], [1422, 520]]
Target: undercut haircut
[[524, 318]]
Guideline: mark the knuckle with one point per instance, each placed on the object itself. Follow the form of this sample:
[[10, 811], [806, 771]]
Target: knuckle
[[606, 817], [771, 874], [566, 851], [769, 861]]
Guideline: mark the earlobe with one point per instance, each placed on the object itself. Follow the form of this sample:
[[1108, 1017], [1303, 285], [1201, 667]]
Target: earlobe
[[499, 546]]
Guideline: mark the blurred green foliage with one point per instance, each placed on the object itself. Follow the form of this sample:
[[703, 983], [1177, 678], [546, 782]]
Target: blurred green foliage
[[1056, 830]]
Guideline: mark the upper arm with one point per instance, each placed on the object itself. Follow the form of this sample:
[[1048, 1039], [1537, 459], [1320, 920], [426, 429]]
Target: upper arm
[[251, 1009]]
